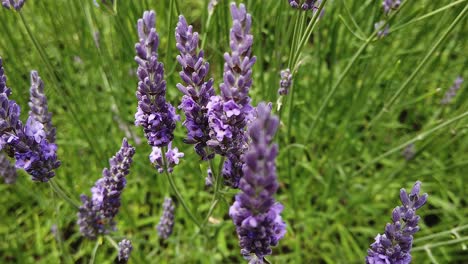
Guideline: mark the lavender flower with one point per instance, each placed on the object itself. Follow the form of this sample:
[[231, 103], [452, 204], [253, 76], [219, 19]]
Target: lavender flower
[[255, 212], [389, 5], [38, 105], [209, 178], [172, 157], [27, 144], [307, 5], [211, 5], [294, 3], [409, 152], [452, 92], [7, 170], [125, 248], [394, 246], [285, 82], [166, 223], [96, 215], [16, 4], [384, 32], [197, 91], [229, 113], [154, 114]]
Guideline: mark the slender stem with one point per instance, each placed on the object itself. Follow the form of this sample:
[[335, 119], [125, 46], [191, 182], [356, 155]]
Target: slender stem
[[217, 194], [439, 244], [93, 255], [112, 241], [431, 257], [177, 193], [441, 234], [62, 194], [413, 75]]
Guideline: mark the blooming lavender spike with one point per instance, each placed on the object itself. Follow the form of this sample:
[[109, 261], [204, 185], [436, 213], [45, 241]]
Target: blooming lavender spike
[[294, 3], [452, 92], [196, 89], [384, 32], [172, 157], [7, 170], [166, 223], [27, 144], [125, 249], [154, 113], [389, 5], [285, 82], [96, 215], [229, 113], [255, 212], [394, 246], [16, 4], [38, 105]]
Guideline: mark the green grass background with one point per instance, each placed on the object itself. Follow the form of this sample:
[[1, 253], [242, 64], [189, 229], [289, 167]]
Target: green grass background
[[340, 163]]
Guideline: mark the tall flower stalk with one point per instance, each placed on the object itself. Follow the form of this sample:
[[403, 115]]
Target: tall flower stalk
[[229, 113], [255, 212], [394, 246], [96, 214]]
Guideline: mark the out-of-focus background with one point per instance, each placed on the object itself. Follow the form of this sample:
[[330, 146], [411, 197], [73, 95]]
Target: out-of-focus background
[[340, 165]]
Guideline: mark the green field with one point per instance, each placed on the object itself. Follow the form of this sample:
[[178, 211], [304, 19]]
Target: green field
[[356, 103]]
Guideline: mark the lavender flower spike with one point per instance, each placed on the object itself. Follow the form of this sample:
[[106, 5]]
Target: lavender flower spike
[[125, 248], [389, 5], [229, 113], [255, 212], [7, 170], [285, 82], [154, 113], [27, 144], [38, 105], [394, 246], [452, 92], [384, 32], [96, 215], [166, 223], [16, 4], [196, 89]]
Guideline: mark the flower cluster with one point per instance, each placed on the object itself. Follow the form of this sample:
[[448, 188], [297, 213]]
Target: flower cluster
[[154, 113], [172, 158], [394, 246], [389, 5], [125, 249], [285, 82], [196, 89], [38, 106], [29, 143], [255, 212], [166, 223], [452, 92], [307, 5], [7, 170], [383, 32], [229, 113], [96, 215], [16, 4]]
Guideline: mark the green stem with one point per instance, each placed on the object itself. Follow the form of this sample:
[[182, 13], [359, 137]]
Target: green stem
[[441, 234], [439, 244], [413, 75], [62, 194], [112, 241], [93, 255]]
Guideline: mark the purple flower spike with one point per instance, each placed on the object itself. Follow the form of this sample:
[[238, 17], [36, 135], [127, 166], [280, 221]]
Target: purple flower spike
[[255, 212], [16, 4], [394, 246], [452, 92], [172, 157], [389, 5], [38, 105], [166, 223], [7, 170], [27, 144], [285, 82], [154, 113], [384, 32], [96, 215], [229, 113], [125, 249], [196, 89]]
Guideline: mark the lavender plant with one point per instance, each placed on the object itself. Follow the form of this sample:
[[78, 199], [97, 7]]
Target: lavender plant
[[394, 246], [229, 113], [15, 4], [97, 213], [154, 113], [452, 92], [7, 170], [166, 223], [255, 212], [125, 249], [197, 90], [28, 144]]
